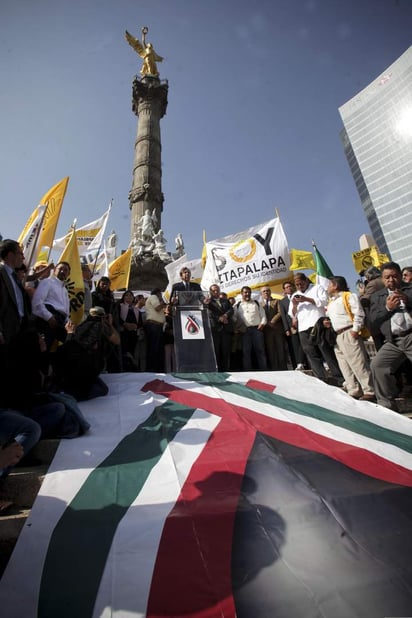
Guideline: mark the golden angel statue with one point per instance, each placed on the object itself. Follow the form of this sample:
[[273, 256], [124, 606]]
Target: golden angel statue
[[145, 51]]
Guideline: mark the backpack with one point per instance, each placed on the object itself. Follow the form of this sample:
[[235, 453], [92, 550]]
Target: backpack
[[240, 325], [364, 332], [254, 300]]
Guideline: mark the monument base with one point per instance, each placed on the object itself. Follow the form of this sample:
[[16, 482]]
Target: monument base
[[147, 272]]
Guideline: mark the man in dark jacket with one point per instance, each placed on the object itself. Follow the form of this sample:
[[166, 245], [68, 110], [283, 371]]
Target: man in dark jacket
[[14, 301], [296, 354], [221, 323], [391, 311], [185, 285]]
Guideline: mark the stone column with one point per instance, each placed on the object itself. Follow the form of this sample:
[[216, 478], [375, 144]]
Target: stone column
[[149, 104]]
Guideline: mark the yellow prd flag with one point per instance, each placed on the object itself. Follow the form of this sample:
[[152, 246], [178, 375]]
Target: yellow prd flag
[[54, 200], [119, 271], [301, 260], [363, 259], [368, 257], [74, 283]]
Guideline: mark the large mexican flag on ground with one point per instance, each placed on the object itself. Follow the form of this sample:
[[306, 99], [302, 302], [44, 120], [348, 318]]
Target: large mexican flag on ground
[[221, 495]]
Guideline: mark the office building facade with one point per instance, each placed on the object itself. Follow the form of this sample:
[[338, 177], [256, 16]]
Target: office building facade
[[377, 140]]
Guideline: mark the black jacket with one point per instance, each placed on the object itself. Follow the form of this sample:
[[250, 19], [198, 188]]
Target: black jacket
[[380, 317], [216, 310]]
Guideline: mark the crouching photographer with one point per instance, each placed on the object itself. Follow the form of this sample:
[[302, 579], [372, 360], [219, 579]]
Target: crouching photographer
[[83, 357]]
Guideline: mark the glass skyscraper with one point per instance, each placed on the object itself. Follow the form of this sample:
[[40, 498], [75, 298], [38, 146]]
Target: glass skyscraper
[[377, 139]]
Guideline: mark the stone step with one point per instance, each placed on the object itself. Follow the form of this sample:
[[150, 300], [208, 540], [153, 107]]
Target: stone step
[[23, 484], [11, 524], [21, 488], [45, 450]]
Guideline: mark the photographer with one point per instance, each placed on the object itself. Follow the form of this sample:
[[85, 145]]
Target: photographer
[[83, 357]]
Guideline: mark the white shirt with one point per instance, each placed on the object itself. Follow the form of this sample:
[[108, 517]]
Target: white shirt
[[307, 313], [401, 320], [151, 314], [339, 316], [52, 292]]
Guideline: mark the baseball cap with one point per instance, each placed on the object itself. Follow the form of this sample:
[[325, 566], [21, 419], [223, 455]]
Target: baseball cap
[[97, 312]]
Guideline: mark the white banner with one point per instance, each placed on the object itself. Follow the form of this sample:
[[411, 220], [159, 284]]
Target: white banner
[[89, 237], [30, 235], [255, 257]]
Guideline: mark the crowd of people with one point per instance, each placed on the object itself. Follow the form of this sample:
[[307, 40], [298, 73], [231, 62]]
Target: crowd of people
[[309, 328]]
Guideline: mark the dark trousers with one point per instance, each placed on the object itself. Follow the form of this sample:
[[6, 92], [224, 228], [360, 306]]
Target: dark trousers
[[222, 341], [275, 348], [52, 334], [154, 333], [253, 341], [296, 353], [329, 356], [313, 354]]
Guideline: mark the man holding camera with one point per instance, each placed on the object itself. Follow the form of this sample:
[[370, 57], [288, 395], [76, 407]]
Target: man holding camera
[[391, 312], [79, 361]]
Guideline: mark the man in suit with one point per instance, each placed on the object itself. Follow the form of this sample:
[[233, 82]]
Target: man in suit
[[391, 311], [221, 323], [185, 285], [14, 301], [296, 354], [273, 332]]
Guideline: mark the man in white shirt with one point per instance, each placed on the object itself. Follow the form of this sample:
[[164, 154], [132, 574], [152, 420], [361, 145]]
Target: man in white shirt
[[250, 319], [155, 319], [306, 307], [51, 305]]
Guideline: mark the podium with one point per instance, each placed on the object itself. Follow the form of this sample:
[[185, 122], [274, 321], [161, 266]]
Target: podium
[[193, 342]]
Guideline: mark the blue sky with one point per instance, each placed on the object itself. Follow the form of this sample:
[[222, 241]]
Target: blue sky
[[252, 123]]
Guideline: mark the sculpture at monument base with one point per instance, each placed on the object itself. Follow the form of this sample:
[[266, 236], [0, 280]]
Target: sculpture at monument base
[[147, 272], [180, 248], [147, 242], [160, 247]]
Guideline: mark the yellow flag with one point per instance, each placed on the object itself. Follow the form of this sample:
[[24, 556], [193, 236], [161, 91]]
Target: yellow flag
[[301, 260], [74, 283], [54, 200], [204, 251], [378, 258], [119, 271], [368, 257]]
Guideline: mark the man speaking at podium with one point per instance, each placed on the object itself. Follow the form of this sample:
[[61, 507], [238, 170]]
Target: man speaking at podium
[[185, 285]]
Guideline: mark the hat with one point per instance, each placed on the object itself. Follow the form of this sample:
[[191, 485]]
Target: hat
[[40, 264], [97, 312]]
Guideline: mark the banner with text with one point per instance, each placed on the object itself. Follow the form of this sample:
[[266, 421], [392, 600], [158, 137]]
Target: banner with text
[[255, 257]]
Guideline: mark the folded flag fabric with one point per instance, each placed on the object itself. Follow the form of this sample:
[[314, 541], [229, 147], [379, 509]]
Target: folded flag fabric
[[208, 495]]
